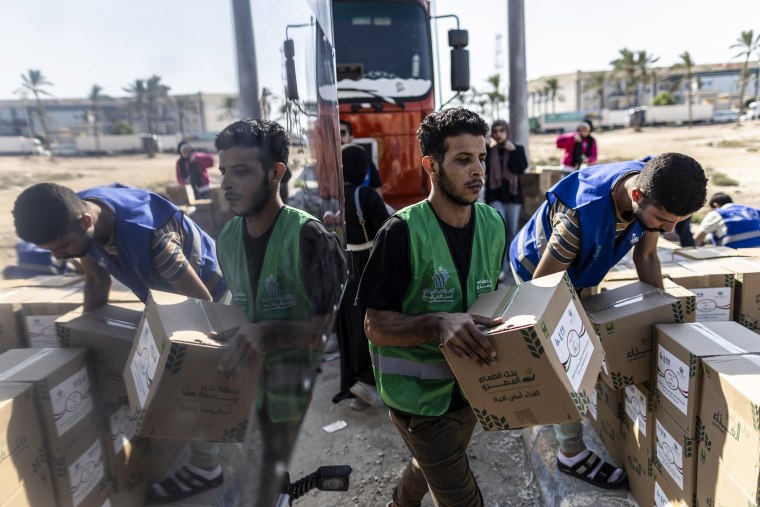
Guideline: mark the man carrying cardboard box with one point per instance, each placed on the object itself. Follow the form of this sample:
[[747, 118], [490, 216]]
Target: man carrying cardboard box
[[145, 242], [588, 222], [285, 271], [430, 262]]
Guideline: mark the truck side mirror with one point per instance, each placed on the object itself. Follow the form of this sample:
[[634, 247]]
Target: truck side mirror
[[289, 49], [460, 60]]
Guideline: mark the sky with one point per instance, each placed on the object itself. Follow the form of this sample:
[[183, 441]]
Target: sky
[[190, 43]]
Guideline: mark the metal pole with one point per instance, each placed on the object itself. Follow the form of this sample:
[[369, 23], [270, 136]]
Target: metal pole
[[248, 82], [518, 81]]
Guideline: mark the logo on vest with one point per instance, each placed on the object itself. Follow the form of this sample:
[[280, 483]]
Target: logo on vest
[[439, 294], [635, 238], [273, 300], [484, 285]]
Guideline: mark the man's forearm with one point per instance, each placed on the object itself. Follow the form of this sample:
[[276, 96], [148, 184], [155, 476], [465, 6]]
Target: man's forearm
[[96, 292], [395, 329], [649, 270]]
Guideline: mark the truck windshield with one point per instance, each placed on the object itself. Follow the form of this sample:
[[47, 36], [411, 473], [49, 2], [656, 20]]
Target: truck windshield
[[383, 48]]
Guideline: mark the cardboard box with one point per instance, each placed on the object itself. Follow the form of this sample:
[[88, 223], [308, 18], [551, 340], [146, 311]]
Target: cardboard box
[[604, 413], [687, 298], [42, 281], [548, 357], [26, 478], [531, 185], [548, 177], [674, 455], [39, 309], [680, 349], [173, 384], [638, 418], [530, 206], [79, 473], [127, 458], [638, 464], [716, 486], [120, 293], [746, 289], [62, 388], [697, 253], [11, 336], [728, 427], [711, 283], [664, 496], [623, 319], [180, 194], [108, 331]]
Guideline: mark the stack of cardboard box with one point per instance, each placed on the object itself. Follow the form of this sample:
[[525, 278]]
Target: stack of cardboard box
[[728, 434], [60, 380]]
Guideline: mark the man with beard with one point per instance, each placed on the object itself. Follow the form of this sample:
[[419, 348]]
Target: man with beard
[[429, 263], [146, 243], [589, 221], [285, 271]]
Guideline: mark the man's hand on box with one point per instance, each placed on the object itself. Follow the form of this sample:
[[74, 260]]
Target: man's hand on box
[[460, 334], [242, 345]]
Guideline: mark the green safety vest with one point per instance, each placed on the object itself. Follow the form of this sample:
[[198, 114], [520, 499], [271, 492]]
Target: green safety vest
[[280, 295], [418, 380]]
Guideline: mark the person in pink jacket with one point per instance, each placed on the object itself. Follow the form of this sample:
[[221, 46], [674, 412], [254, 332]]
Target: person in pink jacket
[[192, 168], [579, 146]]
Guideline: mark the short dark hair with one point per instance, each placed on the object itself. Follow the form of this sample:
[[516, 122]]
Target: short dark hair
[[267, 135], [674, 182], [349, 128], [720, 199], [438, 126], [44, 212]]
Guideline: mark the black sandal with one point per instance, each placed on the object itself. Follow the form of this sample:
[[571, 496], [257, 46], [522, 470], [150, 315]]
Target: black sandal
[[583, 469], [173, 486]]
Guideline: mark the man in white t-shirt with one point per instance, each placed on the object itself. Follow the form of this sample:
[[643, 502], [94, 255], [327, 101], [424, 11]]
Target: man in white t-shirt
[[729, 224]]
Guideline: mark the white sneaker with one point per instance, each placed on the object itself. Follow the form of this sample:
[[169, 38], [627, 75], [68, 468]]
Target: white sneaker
[[367, 393]]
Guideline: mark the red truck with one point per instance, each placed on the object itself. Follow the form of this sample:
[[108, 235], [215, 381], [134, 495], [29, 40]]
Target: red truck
[[386, 84]]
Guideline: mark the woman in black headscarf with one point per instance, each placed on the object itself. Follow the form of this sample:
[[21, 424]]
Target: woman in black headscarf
[[365, 213]]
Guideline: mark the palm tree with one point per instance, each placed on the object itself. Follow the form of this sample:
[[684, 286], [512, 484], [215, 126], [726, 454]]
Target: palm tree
[[138, 92], [643, 63], [552, 87], [34, 82], [495, 97], [230, 106], [748, 44], [96, 96], [687, 64], [184, 105], [625, 68], [155, 93], [595, 84]]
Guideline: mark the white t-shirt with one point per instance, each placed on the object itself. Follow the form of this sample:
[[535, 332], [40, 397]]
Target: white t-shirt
[[713, 223]]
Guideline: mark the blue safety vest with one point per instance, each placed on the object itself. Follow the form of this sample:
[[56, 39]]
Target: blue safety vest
[[588, 191], [742, 226], [138, 213]]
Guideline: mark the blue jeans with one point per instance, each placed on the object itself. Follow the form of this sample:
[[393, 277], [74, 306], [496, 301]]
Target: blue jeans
[[510, 212]]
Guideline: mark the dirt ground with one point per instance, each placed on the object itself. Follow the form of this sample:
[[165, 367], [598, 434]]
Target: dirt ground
[[369, 443]]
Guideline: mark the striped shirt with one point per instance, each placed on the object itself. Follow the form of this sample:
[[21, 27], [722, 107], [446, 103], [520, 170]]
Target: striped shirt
[[168, 257], [565, 241]]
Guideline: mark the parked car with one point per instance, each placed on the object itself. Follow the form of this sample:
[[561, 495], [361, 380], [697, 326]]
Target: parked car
[[753, 112], [725, 115]]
